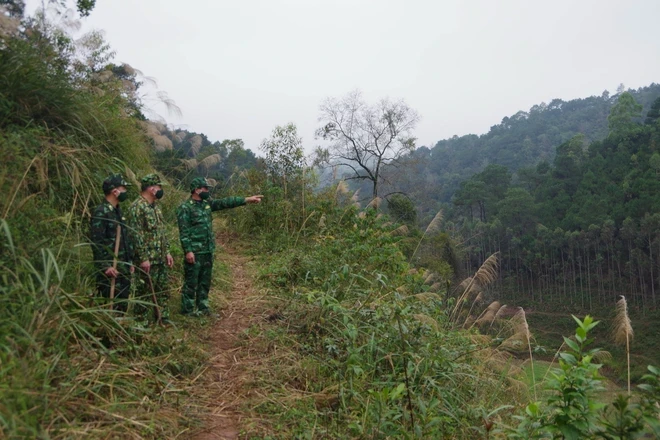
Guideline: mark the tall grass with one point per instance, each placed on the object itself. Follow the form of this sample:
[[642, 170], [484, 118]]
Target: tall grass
[[377, 332], [623, 331], [69, 369]]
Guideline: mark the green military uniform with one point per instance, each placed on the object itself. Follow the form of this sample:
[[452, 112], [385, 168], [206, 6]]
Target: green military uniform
[[151, 244], [196, 234], [103, 233]]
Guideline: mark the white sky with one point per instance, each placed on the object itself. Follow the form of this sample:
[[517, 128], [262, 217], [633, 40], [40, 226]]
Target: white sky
[[239, 68]]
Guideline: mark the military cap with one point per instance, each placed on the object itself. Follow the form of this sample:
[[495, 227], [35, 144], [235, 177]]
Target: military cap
[[149, 180], [113, 181], [198, 182]]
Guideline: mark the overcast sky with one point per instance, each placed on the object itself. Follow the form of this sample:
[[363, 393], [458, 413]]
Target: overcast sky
[[239, 68]]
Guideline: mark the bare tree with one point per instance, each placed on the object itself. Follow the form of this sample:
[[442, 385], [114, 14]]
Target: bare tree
[[366, 137]]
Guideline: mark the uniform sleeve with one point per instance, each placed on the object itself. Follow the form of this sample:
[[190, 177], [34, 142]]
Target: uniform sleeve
[[100, 246], [227, 203], [185, 227], [136, 227], [166, 239]]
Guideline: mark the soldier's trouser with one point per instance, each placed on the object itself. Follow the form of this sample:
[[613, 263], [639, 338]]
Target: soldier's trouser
[[122, 289], [197, 283], [156, 278]]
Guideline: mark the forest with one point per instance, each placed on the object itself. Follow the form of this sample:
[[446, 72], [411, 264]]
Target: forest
[[496, 286]]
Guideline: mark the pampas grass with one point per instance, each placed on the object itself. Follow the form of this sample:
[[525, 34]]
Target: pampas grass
[[520, 329], [355, 199], [434, 226], [375, 203], [489, 313], [210, 161], [195, 144], [342, 189], [472, 320], [435, 287], [427, 320], [427, 296], [486, 274], [401, 230], [623, 331]]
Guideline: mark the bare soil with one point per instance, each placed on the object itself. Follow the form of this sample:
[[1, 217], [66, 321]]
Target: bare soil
[[224, 387]]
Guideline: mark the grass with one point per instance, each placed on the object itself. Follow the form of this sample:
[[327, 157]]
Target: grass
[[549, 327]]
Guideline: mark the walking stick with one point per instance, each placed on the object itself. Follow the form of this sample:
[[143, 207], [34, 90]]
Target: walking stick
[[159, 319], [113, 281]]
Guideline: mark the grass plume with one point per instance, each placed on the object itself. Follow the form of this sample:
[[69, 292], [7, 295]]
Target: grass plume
[[434, 226], [623, 331], [375, 203], [489, 313], [521, 331], [486, 274]]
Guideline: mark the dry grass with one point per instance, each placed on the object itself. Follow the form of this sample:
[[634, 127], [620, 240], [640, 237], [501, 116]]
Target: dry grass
[[435, 287], [195, 144], [489, 313], [401, 230], [355, 199], [521, 335], [341, 190], [623, 331], [486, 274], [191, 164], [374, 203], [470, 320], [434, 226], [210, 161], [427, 320]]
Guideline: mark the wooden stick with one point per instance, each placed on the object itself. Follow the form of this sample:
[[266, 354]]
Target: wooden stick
[[159, 318], [113, 281]]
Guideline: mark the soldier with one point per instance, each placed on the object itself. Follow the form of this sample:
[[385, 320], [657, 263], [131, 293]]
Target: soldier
[[151, 249], [198, 243], [108, 230]]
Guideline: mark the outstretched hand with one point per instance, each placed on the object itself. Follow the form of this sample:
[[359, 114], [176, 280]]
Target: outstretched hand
[[254, 199]]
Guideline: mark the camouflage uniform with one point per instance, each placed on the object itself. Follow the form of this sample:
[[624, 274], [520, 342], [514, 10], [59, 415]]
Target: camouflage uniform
[[151, 244], [103, 232], [196, 234]]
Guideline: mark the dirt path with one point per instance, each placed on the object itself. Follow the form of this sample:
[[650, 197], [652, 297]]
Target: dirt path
[[221, 388]]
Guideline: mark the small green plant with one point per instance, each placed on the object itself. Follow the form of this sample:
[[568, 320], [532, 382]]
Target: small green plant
[[572, 410]]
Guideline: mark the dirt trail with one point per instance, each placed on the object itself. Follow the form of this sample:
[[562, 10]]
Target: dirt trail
[[221, 388]]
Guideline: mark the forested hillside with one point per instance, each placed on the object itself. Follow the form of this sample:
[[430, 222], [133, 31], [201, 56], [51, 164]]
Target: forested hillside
[[519, 141], [588, 217]]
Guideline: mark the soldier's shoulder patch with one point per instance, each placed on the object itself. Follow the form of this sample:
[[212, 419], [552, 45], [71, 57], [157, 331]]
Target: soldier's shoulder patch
[[208, 207]]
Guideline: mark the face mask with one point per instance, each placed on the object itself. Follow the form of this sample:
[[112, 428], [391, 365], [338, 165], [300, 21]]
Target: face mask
[[159, 194], [204, 195], [122, 196]]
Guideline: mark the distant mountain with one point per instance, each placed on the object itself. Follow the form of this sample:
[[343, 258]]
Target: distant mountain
[[520, 140]]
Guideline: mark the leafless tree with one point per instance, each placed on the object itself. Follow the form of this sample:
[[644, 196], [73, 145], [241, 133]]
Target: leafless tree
[[366, 137]]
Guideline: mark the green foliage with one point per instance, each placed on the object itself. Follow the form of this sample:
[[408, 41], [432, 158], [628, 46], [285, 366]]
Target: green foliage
[[402, 209], [576, 232], [386, 362], [433, 175], [621, 120], [572, 412], [69, 368], [285, 157]]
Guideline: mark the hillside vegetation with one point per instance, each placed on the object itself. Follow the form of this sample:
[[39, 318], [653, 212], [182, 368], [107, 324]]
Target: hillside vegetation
[[383, 336]]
